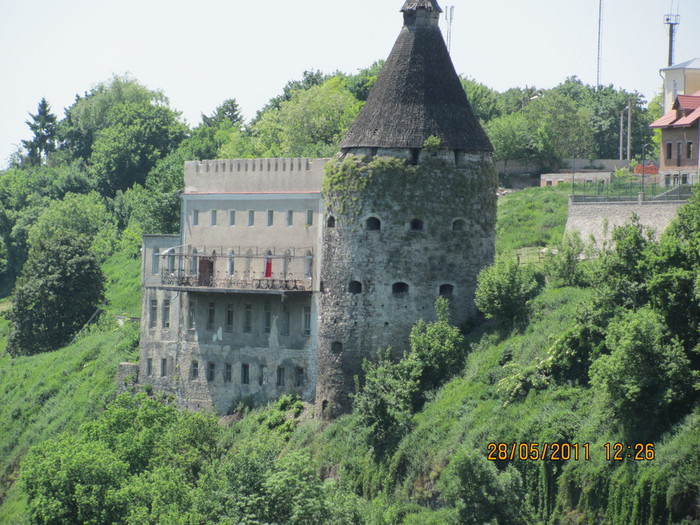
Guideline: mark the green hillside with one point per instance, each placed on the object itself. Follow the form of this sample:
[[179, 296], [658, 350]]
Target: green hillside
[[611, 360], [56, 392]]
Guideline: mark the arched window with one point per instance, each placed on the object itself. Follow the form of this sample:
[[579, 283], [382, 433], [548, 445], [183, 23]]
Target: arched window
[[373, 224], [417, 225], [355, 287], [330, 223], [156, 260], [336, 347], [459, 225], [308, 264], [399, 288], [446, 290]]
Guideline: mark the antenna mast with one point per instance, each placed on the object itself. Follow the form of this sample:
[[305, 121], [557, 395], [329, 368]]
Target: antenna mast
[[449, 17], [672, 22], [600, 42]]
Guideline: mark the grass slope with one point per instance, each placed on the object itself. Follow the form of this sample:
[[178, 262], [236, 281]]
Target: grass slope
[[56, 392]]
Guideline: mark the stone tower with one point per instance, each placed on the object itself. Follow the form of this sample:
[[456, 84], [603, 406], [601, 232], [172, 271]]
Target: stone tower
[[410, 209]]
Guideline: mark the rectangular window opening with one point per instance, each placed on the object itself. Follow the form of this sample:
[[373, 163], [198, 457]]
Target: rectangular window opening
[[228, 373], [290, 218], [280, 376], [309, 217], [229, 318], [195, 218], [251, 218], [298, 376], [191, 314], [232, 217], [248, 319], [211, 371], [213, 217], [149, 367], [153, 318], [245, 374], [262, 375], [270, 217], [163, 367], [306, 328], [194, 370], [211, 316], [166, 313], [267, 318]]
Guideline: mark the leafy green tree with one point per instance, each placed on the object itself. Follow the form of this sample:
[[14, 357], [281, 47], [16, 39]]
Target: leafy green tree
[[361, 83], [309, 79], [646, 381], [438, 346], [504, 289], [511, 138], [385, 401], [293, 493], [481, 493], [81, 215], [483, 99], [89, 113], [311, 123], [58, 291], [44, 128], [71, 481], [135, 139], [563, 261]]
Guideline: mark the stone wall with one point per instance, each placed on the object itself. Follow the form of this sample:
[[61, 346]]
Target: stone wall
[[597, 220], [435, 232]]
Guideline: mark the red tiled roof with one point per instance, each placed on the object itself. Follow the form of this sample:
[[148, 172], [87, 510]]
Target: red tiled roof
[[665, 121], [685, 102], [689, 120]]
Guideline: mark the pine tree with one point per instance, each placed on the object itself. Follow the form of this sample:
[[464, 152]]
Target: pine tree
[[43, 125]]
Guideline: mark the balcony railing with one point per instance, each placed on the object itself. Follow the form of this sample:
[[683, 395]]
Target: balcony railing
[[237, 281], [236, 272]]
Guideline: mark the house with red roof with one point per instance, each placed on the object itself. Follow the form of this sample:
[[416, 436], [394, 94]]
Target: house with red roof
[[680, 137]]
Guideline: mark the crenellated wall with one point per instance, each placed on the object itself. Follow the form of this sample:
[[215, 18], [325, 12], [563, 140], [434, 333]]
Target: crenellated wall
[[254, 176]]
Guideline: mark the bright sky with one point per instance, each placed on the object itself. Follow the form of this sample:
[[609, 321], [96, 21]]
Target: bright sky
[[200, 53]]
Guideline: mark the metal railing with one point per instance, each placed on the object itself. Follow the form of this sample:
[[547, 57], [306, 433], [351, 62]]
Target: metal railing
[[629, 192], [237, 281]]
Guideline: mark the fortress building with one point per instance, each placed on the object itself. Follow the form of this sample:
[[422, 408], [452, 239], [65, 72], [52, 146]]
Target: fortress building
[[288, 272]]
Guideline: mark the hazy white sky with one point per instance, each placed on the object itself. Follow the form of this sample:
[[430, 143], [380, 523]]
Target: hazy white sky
[[202, 52]]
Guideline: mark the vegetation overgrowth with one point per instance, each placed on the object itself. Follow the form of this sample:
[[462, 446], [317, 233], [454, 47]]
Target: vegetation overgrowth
[[592, 352]]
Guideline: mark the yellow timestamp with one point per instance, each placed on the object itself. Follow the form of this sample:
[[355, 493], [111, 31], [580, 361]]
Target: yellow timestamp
[[635, 451], [568, 451]]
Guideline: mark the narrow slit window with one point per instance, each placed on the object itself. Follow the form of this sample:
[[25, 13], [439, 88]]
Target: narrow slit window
[[309, 217], [251, 218], [195, 218], [270, 217], [163, 367], [153, 319], [213, 217], [166, 313], [248, 319], [245, 374], [149, 367], [232, 217]]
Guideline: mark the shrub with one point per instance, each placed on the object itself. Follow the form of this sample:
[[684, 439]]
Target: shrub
[[504, 289]]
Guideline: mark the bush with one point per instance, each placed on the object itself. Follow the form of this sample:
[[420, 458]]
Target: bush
[[504, 289]]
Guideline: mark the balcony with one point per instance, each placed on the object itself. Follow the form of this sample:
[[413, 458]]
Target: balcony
[[231, 273]]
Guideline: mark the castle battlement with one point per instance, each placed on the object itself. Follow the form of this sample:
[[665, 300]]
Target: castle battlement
[[254, 175]]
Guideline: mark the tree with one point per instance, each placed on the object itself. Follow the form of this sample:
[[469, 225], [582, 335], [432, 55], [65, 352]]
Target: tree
[[58, 291], [646, 380], [72, 481], [81, 215], [228, 113], [361, 83], [310, 124], [504, 289], [510, 136], [438, 346], [482, 99], [44, 127]]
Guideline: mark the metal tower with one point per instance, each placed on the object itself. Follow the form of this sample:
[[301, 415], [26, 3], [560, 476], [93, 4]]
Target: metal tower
[[672, 22]]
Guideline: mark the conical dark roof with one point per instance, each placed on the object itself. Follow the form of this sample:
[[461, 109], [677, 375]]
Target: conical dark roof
[[417, 93]]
